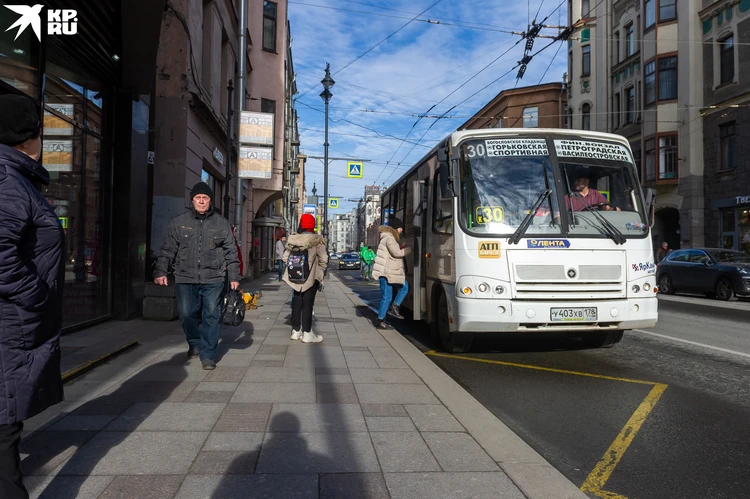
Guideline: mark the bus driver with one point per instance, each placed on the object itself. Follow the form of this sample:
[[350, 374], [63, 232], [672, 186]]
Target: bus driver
[[585, 197]]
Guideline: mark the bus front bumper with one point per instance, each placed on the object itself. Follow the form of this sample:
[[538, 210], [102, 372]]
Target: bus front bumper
[[486, 315]]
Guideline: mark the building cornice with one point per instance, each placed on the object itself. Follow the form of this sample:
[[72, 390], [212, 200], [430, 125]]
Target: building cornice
[[716, 8], [207, 118], [622, 6]]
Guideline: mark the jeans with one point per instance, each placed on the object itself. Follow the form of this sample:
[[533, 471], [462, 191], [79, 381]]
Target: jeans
[[11, 479], [302, 309], [191, 299], [280, 265], [386, 294], [367, 270]]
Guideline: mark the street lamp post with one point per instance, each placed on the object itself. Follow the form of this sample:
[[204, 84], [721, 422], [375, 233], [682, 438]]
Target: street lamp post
[[326, 96]]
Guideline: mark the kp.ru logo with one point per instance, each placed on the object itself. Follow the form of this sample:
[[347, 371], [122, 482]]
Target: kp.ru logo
[[59, 21]]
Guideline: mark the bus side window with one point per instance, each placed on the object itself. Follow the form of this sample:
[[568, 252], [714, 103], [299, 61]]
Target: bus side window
[[442, 209]]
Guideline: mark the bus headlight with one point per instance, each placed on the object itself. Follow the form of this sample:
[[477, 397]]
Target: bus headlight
[[647, 287], [482, 288], [466, 291], [636, 288], [499, 290]]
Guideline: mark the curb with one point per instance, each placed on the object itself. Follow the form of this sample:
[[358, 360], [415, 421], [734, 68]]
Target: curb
[[743, 306], [528, 470], [73, 373]]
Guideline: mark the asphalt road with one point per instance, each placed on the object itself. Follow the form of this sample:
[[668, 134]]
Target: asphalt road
[[649, 418]]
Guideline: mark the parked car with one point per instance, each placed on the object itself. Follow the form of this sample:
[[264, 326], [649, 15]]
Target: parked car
[[716, 272], [349, 261], [334, 256]]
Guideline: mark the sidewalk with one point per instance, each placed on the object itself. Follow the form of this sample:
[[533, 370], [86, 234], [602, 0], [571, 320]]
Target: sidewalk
[[363, 415]]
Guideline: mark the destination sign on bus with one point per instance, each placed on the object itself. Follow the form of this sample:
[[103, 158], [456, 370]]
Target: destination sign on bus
[[507, 147], [591, 150]]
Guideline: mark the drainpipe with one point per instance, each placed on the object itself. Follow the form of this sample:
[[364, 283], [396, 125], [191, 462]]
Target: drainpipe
[[240, 106]]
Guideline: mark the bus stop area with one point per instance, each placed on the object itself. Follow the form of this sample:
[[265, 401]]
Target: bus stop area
[[364, 414]]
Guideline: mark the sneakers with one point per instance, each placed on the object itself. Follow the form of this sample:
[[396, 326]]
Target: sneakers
[[393, 310], [296, 335], [382, 324], [310, 337], [208, 364], [192, 353]]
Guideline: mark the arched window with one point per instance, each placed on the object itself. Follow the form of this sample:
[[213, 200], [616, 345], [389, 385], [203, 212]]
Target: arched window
[[586, 116]]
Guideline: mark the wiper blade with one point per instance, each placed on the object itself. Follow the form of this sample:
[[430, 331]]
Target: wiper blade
[[521, 230], [610, 230]]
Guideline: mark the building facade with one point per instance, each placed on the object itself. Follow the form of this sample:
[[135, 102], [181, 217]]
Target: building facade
[[94, 87], [627, 76], [726, 117], [536, 106]]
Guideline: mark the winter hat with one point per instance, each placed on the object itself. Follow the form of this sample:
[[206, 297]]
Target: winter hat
[[202, 188], [19, 120], [395, 223], [307, 222]]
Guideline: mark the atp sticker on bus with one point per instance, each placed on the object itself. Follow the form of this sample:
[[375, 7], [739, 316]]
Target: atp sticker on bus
[[489, 249], [489, 214], [591, 150]]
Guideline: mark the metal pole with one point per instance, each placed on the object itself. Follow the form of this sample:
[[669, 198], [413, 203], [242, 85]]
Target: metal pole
[[228, 159], [325, 183], [239, 107]]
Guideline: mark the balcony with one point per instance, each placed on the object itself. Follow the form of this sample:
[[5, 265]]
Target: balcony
[[294, 168], [294, 199]]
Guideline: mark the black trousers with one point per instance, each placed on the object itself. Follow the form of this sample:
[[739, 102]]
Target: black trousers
[[11, 479], [302, 308]]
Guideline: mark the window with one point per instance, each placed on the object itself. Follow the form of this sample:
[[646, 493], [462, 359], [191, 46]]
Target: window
[[650, 82], [269, 26], [531, 117], [617, 47], [629, 105], [629, 40], [585, 8], [586, 117], [726, 59], [650, 149], [442, 208], [667, 78], [616, 114], [586, 60], [268, 106], [728, 159], [650, 8], [668, 157], [728, 228], [217, 186], [667, 10]]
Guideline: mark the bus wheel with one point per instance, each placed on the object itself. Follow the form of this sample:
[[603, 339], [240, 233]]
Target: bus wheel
[[452, 342], [602, 339]]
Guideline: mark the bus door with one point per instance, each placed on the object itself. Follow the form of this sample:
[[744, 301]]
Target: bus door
[[419, 207]]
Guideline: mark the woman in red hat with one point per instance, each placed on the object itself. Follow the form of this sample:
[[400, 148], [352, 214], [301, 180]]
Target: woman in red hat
[[305, 260]]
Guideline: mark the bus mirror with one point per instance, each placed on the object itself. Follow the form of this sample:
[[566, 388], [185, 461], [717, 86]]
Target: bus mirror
[[444, 174], [650, 197], [442, 155]]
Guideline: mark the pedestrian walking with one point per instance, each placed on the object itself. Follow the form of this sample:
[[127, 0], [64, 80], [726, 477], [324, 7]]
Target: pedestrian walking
[[280, 247], [389, 270], [201, 245], [306, 260], [32, 274]]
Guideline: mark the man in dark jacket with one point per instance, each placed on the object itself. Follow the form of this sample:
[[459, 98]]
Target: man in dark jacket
[[200, 243], [32, 274]]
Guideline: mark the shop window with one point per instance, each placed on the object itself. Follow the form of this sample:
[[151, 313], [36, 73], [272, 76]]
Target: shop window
[[269, 26], [743, 228], [531, 117], [19, 58], [629, 40], [728, 160], [217, 186], [650, 7], [586, 60], [78, 188], [586, 117], [650, 156], [667, 10], [728, 228], [726, 59], [668, 157], [667, 78], [650, 82]]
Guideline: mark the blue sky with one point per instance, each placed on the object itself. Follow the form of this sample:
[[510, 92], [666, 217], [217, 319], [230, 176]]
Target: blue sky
[[404, 76]]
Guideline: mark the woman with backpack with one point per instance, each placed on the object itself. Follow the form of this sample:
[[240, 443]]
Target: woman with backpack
[[305, 259], [389, 270]]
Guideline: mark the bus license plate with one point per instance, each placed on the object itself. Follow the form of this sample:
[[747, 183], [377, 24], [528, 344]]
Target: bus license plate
[[573, 314]]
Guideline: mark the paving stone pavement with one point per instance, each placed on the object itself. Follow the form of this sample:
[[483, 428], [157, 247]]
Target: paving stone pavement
[[347, 418]]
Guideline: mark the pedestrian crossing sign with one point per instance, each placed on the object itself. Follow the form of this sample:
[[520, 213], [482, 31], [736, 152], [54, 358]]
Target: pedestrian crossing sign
[[333, 203], [354, 169]]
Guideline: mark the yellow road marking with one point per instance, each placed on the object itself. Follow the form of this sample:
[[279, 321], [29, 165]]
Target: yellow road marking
[[598, 478]]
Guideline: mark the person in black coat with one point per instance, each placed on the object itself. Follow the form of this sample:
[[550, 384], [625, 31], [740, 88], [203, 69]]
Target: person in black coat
[[32, 274]]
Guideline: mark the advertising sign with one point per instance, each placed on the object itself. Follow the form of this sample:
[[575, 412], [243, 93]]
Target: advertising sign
[[57, 155], [54, 125], [256, 128], [255, 162]]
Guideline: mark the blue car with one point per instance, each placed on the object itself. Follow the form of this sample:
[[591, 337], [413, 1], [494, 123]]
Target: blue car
[[720, 273], [349, 262]]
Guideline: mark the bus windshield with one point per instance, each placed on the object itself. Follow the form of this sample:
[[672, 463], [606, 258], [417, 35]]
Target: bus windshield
[[502, 180], [498, 191]]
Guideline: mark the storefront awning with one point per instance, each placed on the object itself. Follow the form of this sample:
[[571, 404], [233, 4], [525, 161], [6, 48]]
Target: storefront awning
[[269, 222]]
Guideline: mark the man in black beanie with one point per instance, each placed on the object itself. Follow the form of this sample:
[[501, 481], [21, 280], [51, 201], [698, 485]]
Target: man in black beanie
[[201, 246], [32, 274]]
